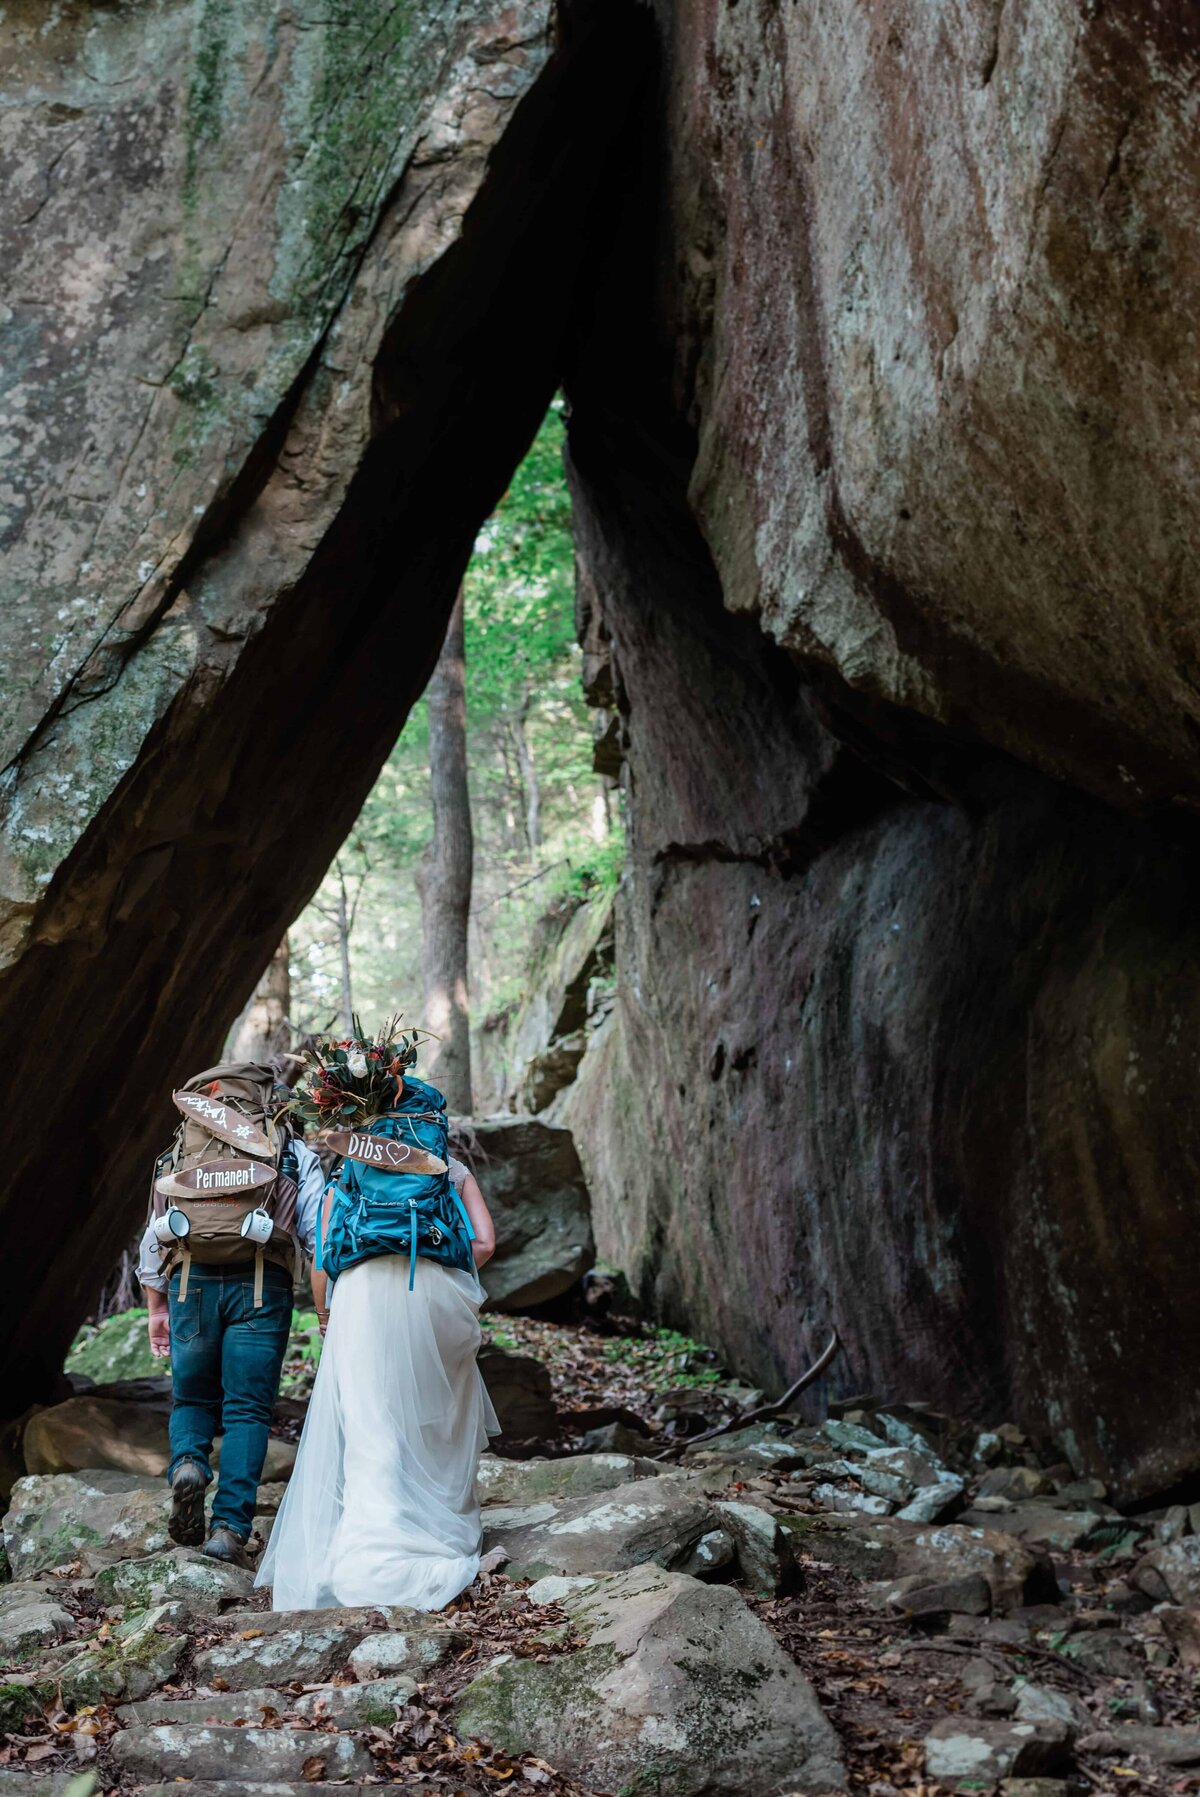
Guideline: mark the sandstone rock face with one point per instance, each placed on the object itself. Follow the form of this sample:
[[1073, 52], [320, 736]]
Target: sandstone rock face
[[532, 1055], [905, 1031], [283, 291], [928, 263], [531, 1177]]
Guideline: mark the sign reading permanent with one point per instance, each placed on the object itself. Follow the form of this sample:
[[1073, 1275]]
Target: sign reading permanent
[[384, 1152], [221, 1120], [216, 1179]]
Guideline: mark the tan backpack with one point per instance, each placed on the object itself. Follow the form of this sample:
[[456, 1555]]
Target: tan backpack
[[229, 1157]]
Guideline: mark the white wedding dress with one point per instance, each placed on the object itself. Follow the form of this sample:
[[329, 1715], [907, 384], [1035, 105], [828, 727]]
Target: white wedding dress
[[381, 1507]]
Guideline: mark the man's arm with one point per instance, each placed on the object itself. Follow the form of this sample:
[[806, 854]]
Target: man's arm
[[158, 1322], [310, 1191]]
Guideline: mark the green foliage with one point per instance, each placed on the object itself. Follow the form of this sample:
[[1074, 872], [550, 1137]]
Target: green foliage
[[301, 1356], [529, 738], [666, 1360], [519, 590]]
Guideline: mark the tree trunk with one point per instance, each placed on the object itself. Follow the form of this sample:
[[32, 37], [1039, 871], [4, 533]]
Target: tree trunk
[[263, 1029], [344, 921], [529, 779], [444, 878]]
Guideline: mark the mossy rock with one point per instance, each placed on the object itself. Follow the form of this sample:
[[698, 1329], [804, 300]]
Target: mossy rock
[[181, 1576], [20, 1700], [118, 1348], [678, 1690], [134, 1661]]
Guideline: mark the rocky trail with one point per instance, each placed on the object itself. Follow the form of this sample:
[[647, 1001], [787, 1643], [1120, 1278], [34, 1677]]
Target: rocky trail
[[887, 1600]]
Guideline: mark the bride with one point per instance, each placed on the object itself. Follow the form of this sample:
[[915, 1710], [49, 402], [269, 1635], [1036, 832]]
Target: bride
[[381, 1508]]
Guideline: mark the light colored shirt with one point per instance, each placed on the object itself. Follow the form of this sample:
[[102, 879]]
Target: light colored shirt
[[308, 1202]]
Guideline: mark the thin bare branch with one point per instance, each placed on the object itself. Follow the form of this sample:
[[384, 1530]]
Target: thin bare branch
[[761, 1411]]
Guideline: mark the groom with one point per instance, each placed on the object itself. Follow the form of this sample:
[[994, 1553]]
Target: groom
[[226, 1357]]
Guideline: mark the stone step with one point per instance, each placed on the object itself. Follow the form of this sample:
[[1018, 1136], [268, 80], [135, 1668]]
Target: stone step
[[353, 1706], [277, 1656], [222, 1752], [245, 1787]]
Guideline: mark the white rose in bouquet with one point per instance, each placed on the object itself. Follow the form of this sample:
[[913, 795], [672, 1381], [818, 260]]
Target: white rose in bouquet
[[356, 1063]]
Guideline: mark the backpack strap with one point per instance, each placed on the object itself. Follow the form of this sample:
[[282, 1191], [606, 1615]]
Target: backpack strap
[[463, 1212], [183, 1277], [258, 1278]]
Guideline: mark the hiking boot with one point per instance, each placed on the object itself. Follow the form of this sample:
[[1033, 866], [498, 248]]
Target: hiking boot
[[185, 1524], [223, 1544]]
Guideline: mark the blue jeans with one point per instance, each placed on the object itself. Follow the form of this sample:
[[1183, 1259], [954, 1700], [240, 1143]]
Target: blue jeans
[[226, 1358]]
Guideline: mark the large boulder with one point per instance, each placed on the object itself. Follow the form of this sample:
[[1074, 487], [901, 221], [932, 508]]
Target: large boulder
[[91, 1431], [531, 1178], [886, 509], [897, 1038], [550, 1035], [286, 297], [677, 1679], [519, 1387]]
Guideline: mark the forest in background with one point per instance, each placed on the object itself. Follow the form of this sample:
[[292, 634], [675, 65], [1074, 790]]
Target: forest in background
[[547, 829]]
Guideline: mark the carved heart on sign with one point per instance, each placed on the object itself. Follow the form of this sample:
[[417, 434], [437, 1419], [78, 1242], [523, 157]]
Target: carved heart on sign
[[221, 1120], [383, 1152]]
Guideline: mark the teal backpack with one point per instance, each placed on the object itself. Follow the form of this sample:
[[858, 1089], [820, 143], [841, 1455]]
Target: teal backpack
[[376, 1213]]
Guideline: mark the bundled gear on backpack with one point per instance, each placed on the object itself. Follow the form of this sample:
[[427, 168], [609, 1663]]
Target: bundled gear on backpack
[[227, 1187], [377, 1210]]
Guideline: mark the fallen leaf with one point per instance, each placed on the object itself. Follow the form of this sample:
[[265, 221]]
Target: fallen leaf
[[313, 1769], [250, 1634]]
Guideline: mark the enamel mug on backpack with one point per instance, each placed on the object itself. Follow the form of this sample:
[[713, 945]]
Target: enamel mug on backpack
[[258, 1226], [172, 1226]]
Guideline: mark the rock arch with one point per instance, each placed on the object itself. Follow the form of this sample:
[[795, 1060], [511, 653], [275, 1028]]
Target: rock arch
[[884, 515]]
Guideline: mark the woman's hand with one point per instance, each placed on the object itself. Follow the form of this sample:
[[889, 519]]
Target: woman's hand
[[322, 1322]]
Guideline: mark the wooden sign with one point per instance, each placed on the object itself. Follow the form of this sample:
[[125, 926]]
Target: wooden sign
[[221, 1120], [216, 1179], [383, 1152]]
